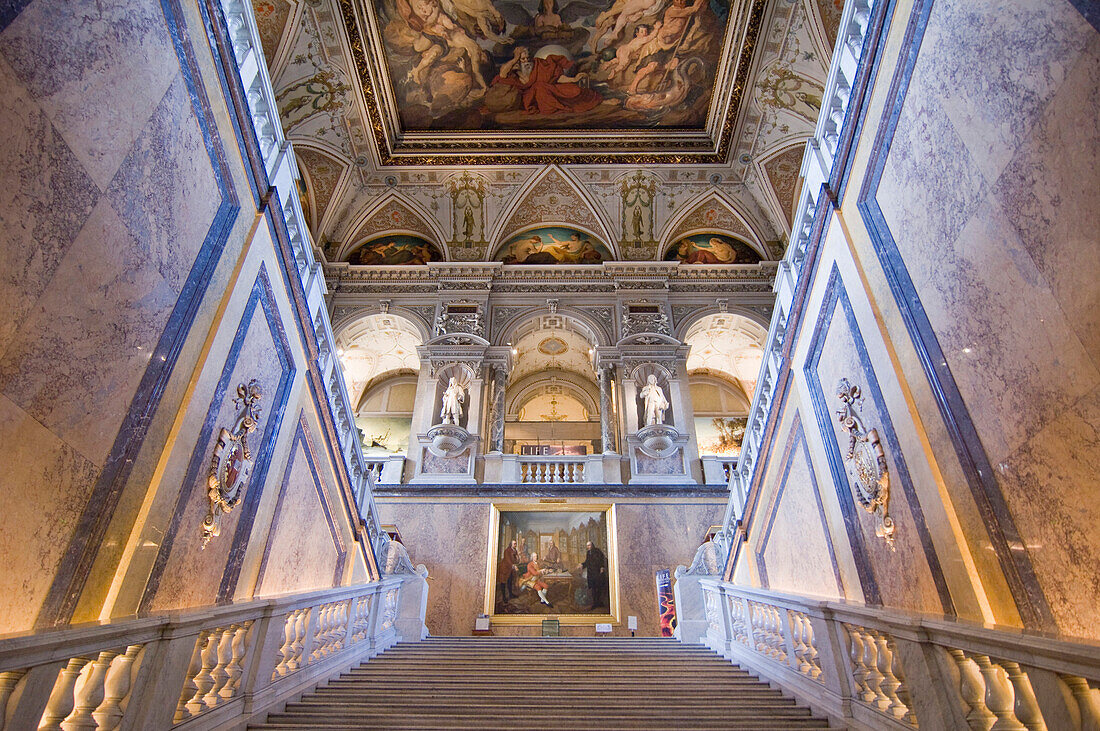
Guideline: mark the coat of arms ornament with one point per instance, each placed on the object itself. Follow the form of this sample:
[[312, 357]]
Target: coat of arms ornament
[[866, 462], [230, 465]]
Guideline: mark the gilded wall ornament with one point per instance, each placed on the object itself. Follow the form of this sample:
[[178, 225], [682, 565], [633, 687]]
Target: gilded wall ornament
[[866, 462], [230, 464]]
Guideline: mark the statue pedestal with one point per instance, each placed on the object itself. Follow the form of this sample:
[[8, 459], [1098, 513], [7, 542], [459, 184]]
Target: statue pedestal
[[657, 456], [448, 455]]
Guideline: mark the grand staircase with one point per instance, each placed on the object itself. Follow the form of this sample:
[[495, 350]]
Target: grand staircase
[[545, 683]]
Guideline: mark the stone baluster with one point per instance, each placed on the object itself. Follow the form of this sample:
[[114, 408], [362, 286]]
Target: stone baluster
[[235, 669], [873, 694], [1025, 707], [8, 681], [88, 693], [223, 643], [189, 687], [204, 681], [1087, 702], [972, 690], [859, 670], [116, 689], [301, 620], [889, 667], [998, 695], [61, 701]]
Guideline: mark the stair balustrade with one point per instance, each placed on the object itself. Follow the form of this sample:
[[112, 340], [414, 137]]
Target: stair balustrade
[[867, 668], [199, 669]]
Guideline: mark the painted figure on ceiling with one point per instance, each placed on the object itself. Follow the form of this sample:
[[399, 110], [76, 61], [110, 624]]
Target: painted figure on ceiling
[[712, 249], [439, 34], [543, 86]]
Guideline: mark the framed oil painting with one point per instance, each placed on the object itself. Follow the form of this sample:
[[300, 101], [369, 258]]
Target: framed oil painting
[[549, 561]]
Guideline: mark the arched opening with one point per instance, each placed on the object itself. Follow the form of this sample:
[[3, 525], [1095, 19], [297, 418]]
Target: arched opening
[[552, 396], [723, 363], [380, 365]]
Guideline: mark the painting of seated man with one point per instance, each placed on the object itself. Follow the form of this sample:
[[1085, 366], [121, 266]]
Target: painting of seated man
[[393, 250]]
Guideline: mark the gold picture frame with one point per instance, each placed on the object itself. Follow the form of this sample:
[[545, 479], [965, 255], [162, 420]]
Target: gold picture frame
[[563, 585]]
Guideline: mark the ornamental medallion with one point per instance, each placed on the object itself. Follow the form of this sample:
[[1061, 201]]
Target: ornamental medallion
[[866, 462]]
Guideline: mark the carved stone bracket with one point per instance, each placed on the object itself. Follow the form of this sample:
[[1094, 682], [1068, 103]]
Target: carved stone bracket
[[230, 464], [866, 462]]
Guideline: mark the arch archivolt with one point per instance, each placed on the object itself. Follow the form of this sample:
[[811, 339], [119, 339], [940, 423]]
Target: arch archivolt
[[391, 214], [729, 219], [515, 327], [540, 201], [685, 323], [536, 384]]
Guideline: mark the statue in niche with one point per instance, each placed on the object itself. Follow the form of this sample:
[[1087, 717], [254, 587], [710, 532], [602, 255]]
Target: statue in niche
[[655, 401], [453, 397]]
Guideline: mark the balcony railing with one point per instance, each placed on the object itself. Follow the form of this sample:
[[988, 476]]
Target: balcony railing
[[875, 669], [206, 668]]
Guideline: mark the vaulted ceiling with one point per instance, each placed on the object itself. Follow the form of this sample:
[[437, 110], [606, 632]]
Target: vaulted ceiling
[[394, 134]]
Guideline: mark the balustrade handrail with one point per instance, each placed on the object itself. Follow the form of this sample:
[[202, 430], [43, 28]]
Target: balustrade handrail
[[1041, 649], [555, 458], [225, 665], [33, 648], [887, 668]]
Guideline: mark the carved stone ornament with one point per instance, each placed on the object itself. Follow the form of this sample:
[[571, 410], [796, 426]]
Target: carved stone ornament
[[230, 465], [866, 462], [636, 322]]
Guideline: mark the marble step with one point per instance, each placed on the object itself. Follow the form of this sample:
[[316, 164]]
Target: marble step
[[544, 683]]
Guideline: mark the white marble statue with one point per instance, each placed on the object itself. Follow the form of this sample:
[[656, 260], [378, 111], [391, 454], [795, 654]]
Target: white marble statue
[[655, 401], [453, 397]]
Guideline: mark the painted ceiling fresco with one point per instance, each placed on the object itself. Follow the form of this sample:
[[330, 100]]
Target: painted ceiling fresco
[[553, 245], [393, 250], [712, 248], [338, 87], [535, 64]]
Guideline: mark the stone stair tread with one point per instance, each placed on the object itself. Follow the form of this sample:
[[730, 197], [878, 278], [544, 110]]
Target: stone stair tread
[[523, 684]]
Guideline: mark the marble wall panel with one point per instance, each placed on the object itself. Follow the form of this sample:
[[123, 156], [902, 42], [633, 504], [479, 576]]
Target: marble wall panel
[[989, 193], [35, 525], [186, 576], [98, 70], [794, 549], [304, 548], [910, 576], [451, 539], [45, 198]]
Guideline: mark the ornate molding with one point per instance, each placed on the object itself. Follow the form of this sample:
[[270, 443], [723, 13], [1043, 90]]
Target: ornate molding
[[866, 462], [231, 462]]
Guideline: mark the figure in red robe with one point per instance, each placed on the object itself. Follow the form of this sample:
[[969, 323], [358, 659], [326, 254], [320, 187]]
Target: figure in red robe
[[543, 85], [532, 579]]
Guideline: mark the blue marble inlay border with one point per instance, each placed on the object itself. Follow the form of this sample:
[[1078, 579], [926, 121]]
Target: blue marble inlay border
[[836, 294], [797, 438], [1008, 546], [75, 567], [1090, 10], [302, 438], [262, 296]]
